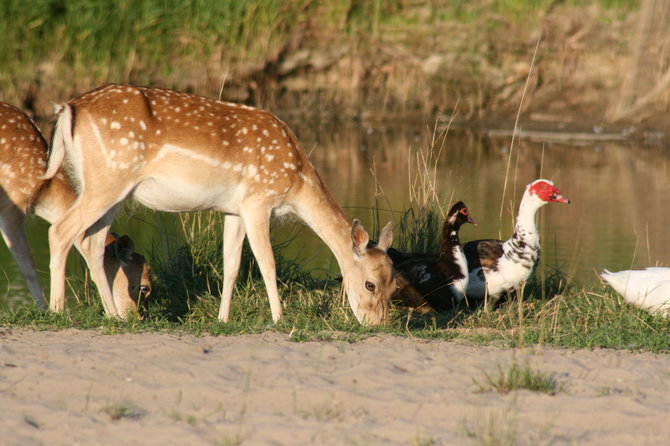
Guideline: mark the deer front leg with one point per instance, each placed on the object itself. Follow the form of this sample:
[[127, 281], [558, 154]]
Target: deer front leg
[[70, 228], [257, 223], [233, 239]]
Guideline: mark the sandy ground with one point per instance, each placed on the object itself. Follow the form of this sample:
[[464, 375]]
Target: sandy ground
[[84, 388]]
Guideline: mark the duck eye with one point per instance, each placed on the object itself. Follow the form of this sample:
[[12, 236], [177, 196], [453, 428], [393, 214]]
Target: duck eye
[[370, 287]]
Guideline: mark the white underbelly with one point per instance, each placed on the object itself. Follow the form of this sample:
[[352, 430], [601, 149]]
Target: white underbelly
[[175, 195], [506, 277]]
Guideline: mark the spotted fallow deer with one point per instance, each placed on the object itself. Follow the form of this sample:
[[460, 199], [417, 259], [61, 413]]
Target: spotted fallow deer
[[177, 152], [23, 160]]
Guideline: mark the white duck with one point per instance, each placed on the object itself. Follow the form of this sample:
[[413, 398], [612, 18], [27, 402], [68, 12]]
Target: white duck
[[648, 289], [497, 266]]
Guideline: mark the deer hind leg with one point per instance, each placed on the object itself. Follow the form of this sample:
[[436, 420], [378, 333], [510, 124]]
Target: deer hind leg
[[13, 231], [71, 227], [92, 247], [233, 239], [257, 223]]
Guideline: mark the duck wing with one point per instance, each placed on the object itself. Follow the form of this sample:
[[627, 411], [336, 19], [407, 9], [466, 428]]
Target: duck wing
[[483, 253]]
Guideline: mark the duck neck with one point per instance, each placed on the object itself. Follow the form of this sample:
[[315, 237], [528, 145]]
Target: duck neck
[[524, 246], [450, 248]]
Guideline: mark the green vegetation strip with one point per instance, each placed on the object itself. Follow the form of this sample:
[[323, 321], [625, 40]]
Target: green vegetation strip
[[186, 299]]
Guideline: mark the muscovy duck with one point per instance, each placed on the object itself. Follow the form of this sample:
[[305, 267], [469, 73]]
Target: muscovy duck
[[434, 282], [497, 266], [648, 289]]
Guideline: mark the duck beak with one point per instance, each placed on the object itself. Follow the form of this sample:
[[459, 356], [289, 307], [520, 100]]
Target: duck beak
[[559, 198], [472, 220]]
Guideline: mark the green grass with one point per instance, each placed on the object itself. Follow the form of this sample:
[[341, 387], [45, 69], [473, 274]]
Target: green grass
[[123, 410], [518, 377], [186, 299], [199, 45], [145, 40]]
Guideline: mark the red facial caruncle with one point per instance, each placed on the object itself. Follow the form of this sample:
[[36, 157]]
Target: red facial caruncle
[[546, 191], [466, 213]]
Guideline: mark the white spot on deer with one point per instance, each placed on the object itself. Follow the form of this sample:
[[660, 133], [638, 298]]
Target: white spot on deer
[[305, 179], [237, 167], [265, 132], [169, 149], [269, 157], [115, 125], [125, 100], [131, 134], [3, 140], [226, 165], [226, 143], [252, 170], [290, 166], [123, 141]]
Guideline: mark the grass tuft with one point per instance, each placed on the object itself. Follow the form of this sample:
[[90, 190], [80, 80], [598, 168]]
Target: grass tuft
[[519, 377]]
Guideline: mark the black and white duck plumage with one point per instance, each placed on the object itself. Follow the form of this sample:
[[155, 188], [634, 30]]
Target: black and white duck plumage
[[434, 282], [497, 266]]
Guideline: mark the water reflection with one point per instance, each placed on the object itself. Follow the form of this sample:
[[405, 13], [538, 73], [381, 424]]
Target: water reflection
[[617, 218]]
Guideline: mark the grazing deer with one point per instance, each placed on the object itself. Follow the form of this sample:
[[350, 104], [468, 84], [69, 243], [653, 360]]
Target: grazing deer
[[177, 152], [23, 160]]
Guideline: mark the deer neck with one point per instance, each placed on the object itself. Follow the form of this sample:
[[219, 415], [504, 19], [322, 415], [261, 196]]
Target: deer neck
[[316, 206]]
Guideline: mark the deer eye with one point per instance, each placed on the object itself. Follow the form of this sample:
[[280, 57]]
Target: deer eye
[[370, 287]]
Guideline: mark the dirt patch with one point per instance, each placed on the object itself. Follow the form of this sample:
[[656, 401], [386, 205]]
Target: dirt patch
[[73, 387]]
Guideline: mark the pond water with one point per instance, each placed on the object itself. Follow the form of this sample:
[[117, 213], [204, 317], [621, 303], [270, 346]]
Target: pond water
[[617, 219]]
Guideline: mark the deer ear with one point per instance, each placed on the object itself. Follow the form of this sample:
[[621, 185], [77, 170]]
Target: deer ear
[[386, 237], [360, 238], [123, 249]]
